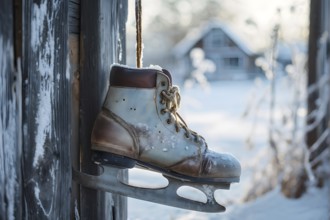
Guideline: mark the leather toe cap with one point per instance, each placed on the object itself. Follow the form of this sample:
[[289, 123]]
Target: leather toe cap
[[218, 165]]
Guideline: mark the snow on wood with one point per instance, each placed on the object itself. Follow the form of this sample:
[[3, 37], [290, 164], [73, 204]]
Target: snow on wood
[[8, 133], [10, 120], [47, 167], [46, 121], [44, 67]]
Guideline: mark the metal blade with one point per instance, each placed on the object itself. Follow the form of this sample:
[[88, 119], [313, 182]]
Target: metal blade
[[108, 181]]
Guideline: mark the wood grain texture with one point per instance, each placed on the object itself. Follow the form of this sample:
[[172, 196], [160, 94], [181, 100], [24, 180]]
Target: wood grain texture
[[315, 32], [10, 119], [47, 107], [39, 118], [318, 138], [102, 22], [75, 155]]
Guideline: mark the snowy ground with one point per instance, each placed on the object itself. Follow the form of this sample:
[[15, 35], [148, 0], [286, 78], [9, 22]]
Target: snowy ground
[[216, 114]]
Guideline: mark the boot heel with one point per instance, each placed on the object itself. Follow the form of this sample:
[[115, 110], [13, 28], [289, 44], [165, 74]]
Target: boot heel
[[106, 158]]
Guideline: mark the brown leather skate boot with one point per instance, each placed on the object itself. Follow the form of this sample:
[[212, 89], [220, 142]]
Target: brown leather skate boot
[[139, 124]]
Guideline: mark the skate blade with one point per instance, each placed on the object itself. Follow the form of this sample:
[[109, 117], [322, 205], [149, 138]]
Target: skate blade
[[108, 181], [119, 161]]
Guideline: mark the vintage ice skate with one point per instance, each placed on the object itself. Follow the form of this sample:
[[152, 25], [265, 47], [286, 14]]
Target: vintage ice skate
[[139, 126]]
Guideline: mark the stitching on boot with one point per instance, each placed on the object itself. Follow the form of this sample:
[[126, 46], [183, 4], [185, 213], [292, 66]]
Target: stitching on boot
[[127, 126]]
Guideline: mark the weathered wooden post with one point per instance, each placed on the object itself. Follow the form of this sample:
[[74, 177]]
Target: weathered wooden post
[[102, 42], [46, 110], [10, 118], [318, 137], [314, 34], [66, 48]]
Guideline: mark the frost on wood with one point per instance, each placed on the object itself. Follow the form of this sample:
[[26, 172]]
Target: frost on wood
[[9, 133], [37, 196], [76, 211], [46, 102], [67, 71], [45, 67]]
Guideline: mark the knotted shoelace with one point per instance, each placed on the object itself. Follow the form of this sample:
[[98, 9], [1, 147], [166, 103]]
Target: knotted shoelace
[[171, 99]]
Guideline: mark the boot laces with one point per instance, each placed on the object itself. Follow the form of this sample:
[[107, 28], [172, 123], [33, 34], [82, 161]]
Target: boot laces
[[171, 99]]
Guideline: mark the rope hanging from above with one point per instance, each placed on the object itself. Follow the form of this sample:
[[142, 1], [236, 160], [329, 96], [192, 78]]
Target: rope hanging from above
[[138, 19]]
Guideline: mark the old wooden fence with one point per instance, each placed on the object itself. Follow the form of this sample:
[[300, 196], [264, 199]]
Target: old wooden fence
[[55, 58], [318, 119]]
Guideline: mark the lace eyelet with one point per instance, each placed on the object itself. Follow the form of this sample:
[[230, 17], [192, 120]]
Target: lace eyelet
[[187, 135], [162, 111], [169, 121], [163, 83]]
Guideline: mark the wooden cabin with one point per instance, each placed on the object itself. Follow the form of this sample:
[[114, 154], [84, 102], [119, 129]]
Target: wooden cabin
[[233, 57]]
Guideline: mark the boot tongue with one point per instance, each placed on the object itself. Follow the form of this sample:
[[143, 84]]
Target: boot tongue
[[168, 74]]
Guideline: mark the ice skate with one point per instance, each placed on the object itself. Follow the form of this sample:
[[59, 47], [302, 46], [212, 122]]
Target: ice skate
[[139, 126]]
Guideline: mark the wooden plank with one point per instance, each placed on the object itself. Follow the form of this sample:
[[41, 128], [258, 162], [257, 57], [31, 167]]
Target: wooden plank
[[314, 35], [74, 17], [74, 50], [75, 156], [10, 119], [101, 24], [47, 109], [120, 10], [319, 146]]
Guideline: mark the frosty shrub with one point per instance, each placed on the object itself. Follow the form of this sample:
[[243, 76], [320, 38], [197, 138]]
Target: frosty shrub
[[201, 66], [281, 103]]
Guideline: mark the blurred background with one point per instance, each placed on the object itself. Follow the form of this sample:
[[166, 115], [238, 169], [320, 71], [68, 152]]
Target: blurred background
[[242, 67]]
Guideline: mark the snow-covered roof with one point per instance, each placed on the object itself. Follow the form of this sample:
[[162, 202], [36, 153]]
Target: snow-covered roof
[[285, 50], [191, 39]]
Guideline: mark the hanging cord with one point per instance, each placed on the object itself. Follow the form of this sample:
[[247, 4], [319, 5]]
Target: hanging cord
[[138, 19]]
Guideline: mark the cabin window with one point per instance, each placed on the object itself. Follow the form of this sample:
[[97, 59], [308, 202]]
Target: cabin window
[[232, 62]]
